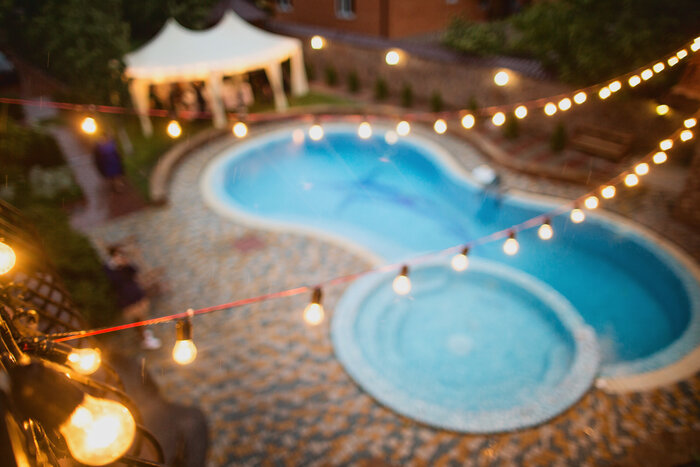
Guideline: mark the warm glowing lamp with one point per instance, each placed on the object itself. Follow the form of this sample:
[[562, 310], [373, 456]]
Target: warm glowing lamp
[[317, 42], [550, 109], [316, 132], [501, 78], [591, 202], [498, 119], [673, 61], [631, 180], [604, 93], [647, 74], [184, 350], [634, 80], [658, 67], [580, 97], [468, 121], [577, 215], [402, 284], [690, 123], [313, 313], [392, 58], [608, 192], [615, 86], [641, 169], [85, 361], [7, 258], [662, 109], [511, 245], [240, 130], [545, 232], [660, 157], [686, 135], [364, 131], [440, 126], [174, 129], [403, 128], [520, 111], [89, 125], [460, 261], [666, 144]]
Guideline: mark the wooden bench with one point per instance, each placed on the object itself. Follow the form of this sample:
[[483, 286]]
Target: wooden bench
[[603, 142]]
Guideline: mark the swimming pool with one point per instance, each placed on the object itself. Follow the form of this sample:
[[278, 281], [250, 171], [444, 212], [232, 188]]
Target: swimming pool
[[395, 201]]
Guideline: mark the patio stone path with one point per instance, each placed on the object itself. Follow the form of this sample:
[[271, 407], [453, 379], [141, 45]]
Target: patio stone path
[[272, 389]]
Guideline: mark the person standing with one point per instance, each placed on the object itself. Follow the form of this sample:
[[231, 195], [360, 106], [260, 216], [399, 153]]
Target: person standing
[[109, 162]]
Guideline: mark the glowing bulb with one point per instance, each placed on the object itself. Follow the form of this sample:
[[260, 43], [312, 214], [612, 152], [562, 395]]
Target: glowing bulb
[[658, 67], [666, 144], [641, 168], [646, 74], [7, 258], [317, 42], [660, 157], [174, 130], [631, 180], [580, 97], [565, 104], [99, 431], [608, 192], [673, 61], [681, 54], [440, 126], [391, 138], [88, 125], [615, 86], [240, 130], [695, 46], [402, 284], [604, 93], [545, 232], [686, 135], [511, 245], [591, 202], [313, 313], [468, 121], [662, 109], [85, 361], [501, 78], [634, 80], [690, 123], [316, 132], [577, 216], [403, 128], [460, 261], [364, 131], [550, 109], [392, 58], [184, 350], [499, 118], [521, 111]]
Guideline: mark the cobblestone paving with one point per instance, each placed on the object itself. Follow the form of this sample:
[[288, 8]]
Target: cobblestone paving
[[271, 387]]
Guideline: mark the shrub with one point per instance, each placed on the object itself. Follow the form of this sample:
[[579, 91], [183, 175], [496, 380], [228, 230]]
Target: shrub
[[353, 82], [436, 103], [26, 147], [558, 139], [381, 89], [407, 95], [511, 129], [331, 76], [477, 38]]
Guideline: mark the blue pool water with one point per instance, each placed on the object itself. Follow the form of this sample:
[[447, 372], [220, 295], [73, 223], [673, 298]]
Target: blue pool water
[[401, 200]]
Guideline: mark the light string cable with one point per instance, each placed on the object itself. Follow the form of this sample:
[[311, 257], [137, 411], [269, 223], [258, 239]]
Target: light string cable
[[682, 134]]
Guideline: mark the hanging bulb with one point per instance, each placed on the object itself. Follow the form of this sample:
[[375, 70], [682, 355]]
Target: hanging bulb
[[498, 119], [184, 351], [615, 86], [550, 109], [604, 93], [641, 169], [85, 361], [658, 67], [317, 42], [440, 126], [682, 54], [7, 258], [240, 130], [577, 215], [631, 180], [89, 125], [313, 313], [634, 80], [690, 123], [501, 78], [580, 97], [364, 131], [520, 111], [565, 104], [511, 245], [174, 129], [662, 109], [673, 61], [647, 74], [686, 135], [403, 128], [468, 121], [460, 261], [666, 144], [591, 202], [608, 192], [316, 132], [402, 284], [660, 157], [545, 232]]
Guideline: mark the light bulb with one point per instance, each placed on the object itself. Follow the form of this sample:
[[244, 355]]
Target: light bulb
[[666, 144], [577, 216], [580, 97], [565, 104], [511, 245], [85, 361], [521, 111], [695, 46], [468, 121], [364, 131], [634, 80], [647, 74], [673, 61], [545, 232], [403, 128], [392, 58], [660, 157], [690, 123], [686, 135], [173, 129], [88, 125], [184, 350], [615, 86], [681, 54], [550, 109], [317, 42], [591, 202], [501, 78], [391, 137], [402, 284], [662, 109], [316, 132], [440, 126], [99, 431], [608, 192], [604, 93], [7, 258], [240, 130], [658, 67], [498, 119], [460, 261], [313, 313], [631, 180], [641, 168]]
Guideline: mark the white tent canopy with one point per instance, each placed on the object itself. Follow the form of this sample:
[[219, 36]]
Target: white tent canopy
[[231, 47]]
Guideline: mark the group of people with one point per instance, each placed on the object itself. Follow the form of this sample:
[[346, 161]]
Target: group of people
[[186, 99]]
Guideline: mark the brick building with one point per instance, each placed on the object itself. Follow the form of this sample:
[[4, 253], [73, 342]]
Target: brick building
[[390, 18]]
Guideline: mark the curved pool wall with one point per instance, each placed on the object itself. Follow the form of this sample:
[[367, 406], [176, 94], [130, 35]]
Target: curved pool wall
[[398, 201], [487, 350]]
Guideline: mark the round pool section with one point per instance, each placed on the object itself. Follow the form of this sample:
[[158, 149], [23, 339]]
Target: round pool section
[[486, 350]]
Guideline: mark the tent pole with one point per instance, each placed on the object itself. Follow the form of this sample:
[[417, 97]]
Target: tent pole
[[274, 76], [300, 84], [217, 107], [139, 97]]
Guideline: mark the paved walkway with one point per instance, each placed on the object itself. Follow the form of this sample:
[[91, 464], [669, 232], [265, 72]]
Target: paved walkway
[[272, 388]]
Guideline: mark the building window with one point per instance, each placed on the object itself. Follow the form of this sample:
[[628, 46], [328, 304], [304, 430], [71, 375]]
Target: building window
[[284, 5], [345, 9]]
